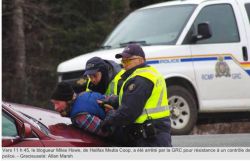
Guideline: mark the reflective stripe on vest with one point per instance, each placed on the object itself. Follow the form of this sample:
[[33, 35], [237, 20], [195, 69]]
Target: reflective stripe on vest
[[87, 87], [113, 85], [157, 104], [155, 110]]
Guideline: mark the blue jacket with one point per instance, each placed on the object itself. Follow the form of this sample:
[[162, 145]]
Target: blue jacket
[[86, 102]]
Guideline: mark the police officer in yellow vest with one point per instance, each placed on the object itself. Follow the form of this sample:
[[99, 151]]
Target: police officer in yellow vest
[[143, 113], [103, 76]]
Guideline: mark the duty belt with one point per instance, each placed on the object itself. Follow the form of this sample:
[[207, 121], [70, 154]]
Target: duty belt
[[135, 131]]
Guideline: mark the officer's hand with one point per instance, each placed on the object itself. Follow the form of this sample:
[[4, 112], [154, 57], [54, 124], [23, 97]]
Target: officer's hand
[[105, 106], [111, 100]]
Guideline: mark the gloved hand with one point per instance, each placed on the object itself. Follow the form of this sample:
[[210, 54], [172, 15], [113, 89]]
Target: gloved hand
[[105, 106], [110, 100], [105, 126]]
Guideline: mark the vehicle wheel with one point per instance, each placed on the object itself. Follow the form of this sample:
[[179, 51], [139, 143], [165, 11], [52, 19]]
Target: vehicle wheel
[[183, 110]]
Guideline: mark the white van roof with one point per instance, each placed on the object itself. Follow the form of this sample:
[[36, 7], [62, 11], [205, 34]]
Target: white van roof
[[178, 2]]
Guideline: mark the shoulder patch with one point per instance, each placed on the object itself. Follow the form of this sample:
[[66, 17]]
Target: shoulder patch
[[131, 87]]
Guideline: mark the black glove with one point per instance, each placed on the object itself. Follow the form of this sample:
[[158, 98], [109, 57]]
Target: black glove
[[110, 100]]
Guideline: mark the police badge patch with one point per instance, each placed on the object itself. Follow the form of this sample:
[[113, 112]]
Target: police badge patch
[[90, 65], [222, 68], [131, 87]]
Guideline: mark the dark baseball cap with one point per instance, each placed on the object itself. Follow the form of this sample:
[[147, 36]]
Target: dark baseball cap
[[131, 50], [94, 65]]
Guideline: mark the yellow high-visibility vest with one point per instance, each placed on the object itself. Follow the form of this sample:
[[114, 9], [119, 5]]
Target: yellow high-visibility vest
[[113, 85], [157, 104]]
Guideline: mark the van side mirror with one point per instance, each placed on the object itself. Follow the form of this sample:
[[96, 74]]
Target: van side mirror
[[26, 131], [203, 32]]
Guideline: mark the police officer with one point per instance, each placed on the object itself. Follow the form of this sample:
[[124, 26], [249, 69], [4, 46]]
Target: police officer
[[104, 76], [143, 113]]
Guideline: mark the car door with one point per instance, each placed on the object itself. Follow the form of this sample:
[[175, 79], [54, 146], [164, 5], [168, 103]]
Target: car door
[[222, 80], [11, 133]]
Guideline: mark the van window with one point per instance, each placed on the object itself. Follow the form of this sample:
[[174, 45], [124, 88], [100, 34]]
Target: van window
[[222, 23], [248, 10]]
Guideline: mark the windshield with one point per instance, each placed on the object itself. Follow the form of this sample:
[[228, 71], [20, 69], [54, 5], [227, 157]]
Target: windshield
[[155, 26], [35, 123]]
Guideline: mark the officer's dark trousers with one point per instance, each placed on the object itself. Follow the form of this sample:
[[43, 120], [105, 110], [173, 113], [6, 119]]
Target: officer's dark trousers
[[162, 139]]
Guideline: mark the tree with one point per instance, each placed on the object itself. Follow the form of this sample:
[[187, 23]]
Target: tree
[[39, 34], [19, 50]]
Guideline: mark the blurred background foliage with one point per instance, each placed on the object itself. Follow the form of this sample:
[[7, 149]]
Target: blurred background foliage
[[39, 34]]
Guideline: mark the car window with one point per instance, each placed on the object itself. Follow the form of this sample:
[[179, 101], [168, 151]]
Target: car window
[[247, 6], [8, 126], [222, 22]]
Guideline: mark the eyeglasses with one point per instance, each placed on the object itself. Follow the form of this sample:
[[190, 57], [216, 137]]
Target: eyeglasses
[[128, 61]]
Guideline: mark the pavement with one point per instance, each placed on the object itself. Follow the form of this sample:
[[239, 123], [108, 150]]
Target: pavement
[[212, 140]]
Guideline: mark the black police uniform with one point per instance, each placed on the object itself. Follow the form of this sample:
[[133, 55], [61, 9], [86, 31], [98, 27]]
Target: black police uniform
[[133, 102]]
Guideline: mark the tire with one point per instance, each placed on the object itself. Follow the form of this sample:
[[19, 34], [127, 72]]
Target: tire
[[183, 109]]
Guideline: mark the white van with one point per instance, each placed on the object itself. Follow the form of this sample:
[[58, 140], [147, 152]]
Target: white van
[[202, 47]]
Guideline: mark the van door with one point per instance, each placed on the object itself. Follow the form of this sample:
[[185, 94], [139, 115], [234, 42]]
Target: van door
[[245, 11], [219, 62]]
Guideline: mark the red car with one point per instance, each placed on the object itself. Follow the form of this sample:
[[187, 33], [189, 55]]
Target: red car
[[27, 126]]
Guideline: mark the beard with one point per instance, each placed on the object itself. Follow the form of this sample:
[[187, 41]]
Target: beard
[[65, 112]]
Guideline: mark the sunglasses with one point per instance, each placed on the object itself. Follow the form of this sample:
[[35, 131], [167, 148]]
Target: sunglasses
[[128, 61]]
